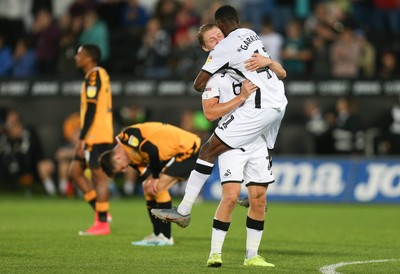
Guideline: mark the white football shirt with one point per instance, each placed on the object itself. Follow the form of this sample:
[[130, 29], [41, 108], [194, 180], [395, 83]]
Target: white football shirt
[[232, 52], [223, 86]]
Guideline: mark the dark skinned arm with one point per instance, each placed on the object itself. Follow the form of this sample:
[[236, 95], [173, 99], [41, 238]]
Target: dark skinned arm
[[201, 80]]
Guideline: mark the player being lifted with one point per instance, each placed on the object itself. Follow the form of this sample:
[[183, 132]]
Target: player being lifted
[[251, 164], [261, 115]]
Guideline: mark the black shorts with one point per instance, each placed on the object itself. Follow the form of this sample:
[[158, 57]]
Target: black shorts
[[182, 169], [92, 154]]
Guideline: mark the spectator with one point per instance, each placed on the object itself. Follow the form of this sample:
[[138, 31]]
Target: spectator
[[38, 5], [45, 34], [71, 28], [387, 16], [320, 62], [283, 13], [95, 32], [24, 62], [254, 10], [15, 18], [81, 7], [345, 55], [22, 159], [295, 52], [319, 128], [348, 132], [134, 16], [5, 57], [154, 52], [165, 12], [388, 68], [272, 40], [320, 16], [186, 58], [66, 153], [207, 15], [186, 19], [367, 63]]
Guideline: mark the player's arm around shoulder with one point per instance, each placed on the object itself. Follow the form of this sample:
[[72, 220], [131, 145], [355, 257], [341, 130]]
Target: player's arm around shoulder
[[213, 109], [258, 61]]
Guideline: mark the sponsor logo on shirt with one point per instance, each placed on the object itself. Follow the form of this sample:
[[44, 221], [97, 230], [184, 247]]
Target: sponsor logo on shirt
[[133, 141], [91, 91]]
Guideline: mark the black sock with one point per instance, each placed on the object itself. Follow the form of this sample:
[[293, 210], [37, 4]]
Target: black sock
[[92, 203], [102, 216], [165, 228], [150, 205]]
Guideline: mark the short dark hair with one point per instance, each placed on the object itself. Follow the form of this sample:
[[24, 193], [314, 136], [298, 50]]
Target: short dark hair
[[106, 162], [93, 51], [226, 13]]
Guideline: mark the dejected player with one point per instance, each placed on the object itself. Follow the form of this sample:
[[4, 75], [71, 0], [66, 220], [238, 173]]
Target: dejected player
[[96, 136], [163, 154]]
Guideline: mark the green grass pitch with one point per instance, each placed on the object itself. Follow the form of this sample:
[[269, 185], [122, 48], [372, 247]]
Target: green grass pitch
[[40, 235]]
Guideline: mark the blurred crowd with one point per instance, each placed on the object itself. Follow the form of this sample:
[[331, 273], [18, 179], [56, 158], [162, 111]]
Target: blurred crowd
[[158, 39]]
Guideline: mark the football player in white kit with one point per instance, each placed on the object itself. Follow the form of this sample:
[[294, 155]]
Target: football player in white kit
[[260, 115], [221, 97], [251, 165]]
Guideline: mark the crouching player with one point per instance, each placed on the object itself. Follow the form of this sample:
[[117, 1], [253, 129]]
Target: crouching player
[[163, 154]]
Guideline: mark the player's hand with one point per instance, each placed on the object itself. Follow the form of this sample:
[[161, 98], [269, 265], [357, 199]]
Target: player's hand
[[80, 149], [150, 186], [247, 88], [257, 61]]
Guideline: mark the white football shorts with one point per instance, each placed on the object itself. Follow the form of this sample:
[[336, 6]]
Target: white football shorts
[[250, 164], [245, 125]]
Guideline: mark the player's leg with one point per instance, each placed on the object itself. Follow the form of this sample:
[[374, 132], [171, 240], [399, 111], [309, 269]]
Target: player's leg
[[255, 226], [130, 179], [46, 171], [76, 174], [161, 199], [198, 176], [100, 180], [201, 172], [231, 174], [222, 221], [259, 175]]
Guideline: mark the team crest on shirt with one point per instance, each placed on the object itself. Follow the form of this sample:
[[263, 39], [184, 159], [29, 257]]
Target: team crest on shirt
[[209, 59], [227, 173], [91, 91], [133, 141]]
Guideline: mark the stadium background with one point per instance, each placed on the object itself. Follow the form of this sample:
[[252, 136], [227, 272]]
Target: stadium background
[[45, 98]]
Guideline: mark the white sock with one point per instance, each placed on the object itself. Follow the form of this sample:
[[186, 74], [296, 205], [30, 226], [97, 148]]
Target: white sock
[[129, 187], [217, 240], [194, 185], [62, 186], [50, 187], [253, 242]]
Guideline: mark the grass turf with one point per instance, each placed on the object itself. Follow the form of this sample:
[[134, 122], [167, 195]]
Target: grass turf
[[40, 235]]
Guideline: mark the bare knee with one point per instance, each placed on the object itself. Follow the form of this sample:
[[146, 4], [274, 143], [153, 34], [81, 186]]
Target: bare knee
[[230, 199]]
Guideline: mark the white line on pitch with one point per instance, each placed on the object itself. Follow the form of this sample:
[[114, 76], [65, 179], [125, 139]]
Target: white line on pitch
[[331, 269]]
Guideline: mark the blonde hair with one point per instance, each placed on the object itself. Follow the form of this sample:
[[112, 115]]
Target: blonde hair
[[202, 30]]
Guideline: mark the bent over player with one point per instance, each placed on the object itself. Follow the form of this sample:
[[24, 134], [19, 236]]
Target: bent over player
[[96, 136], [163, 154]]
